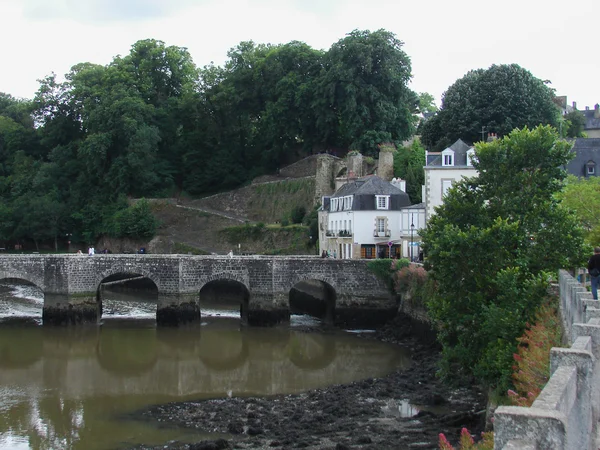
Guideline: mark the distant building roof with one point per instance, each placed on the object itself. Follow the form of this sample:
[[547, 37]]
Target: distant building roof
[[586, 150], [592, 118], [365, 189], [460, 155]]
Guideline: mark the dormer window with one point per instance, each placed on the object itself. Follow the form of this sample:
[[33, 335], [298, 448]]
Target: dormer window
[[347, 203], [470, 157], [382, 201], [447, 158], [590, 168]]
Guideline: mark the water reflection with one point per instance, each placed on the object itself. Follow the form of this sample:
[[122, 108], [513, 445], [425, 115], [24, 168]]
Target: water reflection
[[62, 387], [72, 387]]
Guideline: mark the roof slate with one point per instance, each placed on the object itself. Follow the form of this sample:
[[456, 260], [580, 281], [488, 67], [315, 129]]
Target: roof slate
[[460, 155], [591, 122], [585, 150]]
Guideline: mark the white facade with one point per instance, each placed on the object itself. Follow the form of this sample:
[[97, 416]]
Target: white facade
[[347, 231], [438, 179]]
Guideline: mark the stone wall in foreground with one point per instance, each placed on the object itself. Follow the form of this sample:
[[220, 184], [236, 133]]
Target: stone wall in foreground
[[565, 415]]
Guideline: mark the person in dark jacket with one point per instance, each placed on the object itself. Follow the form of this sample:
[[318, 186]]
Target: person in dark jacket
[[594, 271]]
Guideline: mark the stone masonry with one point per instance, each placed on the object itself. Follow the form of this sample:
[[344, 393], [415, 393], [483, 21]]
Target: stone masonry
[[71, 284], [565, 414]]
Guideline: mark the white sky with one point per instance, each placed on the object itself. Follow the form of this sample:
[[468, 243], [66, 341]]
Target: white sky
[[555, 40]]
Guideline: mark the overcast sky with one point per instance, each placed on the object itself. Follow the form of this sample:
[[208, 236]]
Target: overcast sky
[[556, 41]]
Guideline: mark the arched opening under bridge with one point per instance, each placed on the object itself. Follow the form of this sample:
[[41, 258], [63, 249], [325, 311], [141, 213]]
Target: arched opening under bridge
[[127, 296], [223, 299], [314, 298], [20, 301]]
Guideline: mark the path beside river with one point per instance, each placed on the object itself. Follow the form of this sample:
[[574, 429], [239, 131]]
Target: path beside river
[[404, 410]]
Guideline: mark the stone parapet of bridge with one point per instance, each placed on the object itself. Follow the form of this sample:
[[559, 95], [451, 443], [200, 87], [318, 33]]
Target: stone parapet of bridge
[[565, 414], [71, 284]]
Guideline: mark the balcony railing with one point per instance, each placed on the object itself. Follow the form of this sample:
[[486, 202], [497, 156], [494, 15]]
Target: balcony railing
[[338, 233], [386, 233]]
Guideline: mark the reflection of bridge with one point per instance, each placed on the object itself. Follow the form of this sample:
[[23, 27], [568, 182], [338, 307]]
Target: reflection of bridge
[[186, 362], [70, 284]]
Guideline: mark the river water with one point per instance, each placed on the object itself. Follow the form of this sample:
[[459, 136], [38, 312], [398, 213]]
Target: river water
[[77, 388]]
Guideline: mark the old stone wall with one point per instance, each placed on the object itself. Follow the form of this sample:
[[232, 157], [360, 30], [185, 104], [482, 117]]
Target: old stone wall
[[306, 167], [565, 414], [70, 282]]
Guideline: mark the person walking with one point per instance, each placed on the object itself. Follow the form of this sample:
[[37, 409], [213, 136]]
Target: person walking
[[594, 271]]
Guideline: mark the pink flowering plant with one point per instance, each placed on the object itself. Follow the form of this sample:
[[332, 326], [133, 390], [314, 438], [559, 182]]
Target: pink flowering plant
[[467, 442]]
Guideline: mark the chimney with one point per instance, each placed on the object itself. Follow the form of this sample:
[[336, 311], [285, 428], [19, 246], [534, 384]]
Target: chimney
[[597, 111], [574, 105]]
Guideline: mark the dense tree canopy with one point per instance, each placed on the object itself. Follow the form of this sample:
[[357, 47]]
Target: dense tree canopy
[[582, 196], [492, 245], [495, 100], [152, 124]]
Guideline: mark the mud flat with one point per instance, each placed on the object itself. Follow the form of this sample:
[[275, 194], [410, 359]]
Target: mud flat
[[404, 410]]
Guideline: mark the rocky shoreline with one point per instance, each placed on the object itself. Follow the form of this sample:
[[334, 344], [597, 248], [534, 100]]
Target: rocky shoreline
[[404, 410]]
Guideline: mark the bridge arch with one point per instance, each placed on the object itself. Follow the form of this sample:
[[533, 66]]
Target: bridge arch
[[111, 289], [18, 275], [121, 269], [313, 296], [225, 292]]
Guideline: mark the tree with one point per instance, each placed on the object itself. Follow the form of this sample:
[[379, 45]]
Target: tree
[[575, 124], [427, 103], [492, 245], [362, 94], [496, 100], [582, 195], [408, 165]]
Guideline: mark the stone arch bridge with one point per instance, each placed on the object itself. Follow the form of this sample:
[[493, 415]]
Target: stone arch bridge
[[71, 284]]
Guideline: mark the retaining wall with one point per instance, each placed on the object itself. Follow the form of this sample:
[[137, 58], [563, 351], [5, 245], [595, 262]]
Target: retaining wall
[[565, 415]]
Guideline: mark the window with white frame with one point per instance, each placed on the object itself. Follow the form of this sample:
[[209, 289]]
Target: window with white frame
[[382, 201], [448, 157], [446, 185], [350, 226], [591, 168], [470, 157], [381, 224], [348, 202]]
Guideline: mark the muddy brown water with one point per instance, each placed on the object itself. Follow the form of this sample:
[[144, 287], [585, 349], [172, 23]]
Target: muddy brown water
[[75, 388]]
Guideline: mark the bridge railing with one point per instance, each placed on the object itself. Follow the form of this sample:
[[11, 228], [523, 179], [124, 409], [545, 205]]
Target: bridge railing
[[565, 414]]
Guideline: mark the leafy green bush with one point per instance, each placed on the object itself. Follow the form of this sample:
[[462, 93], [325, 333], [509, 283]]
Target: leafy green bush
[[135, 222], [298, 213], [385, 268]]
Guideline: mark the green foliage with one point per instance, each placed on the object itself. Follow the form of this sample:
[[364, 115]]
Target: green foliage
[[135, 222], [579, 196], [427, 103], [492, 246], [386, 268], [410, 281], [298, 213], [361, 96], [574, 122], [499, 99], [408, 165], [150, 124], [243, 233], [184, 249]]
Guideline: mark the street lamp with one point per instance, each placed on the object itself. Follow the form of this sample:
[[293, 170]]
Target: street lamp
[[412, 231]]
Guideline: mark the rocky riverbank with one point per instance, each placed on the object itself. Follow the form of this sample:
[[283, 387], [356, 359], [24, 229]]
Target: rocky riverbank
[[404, 410]]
